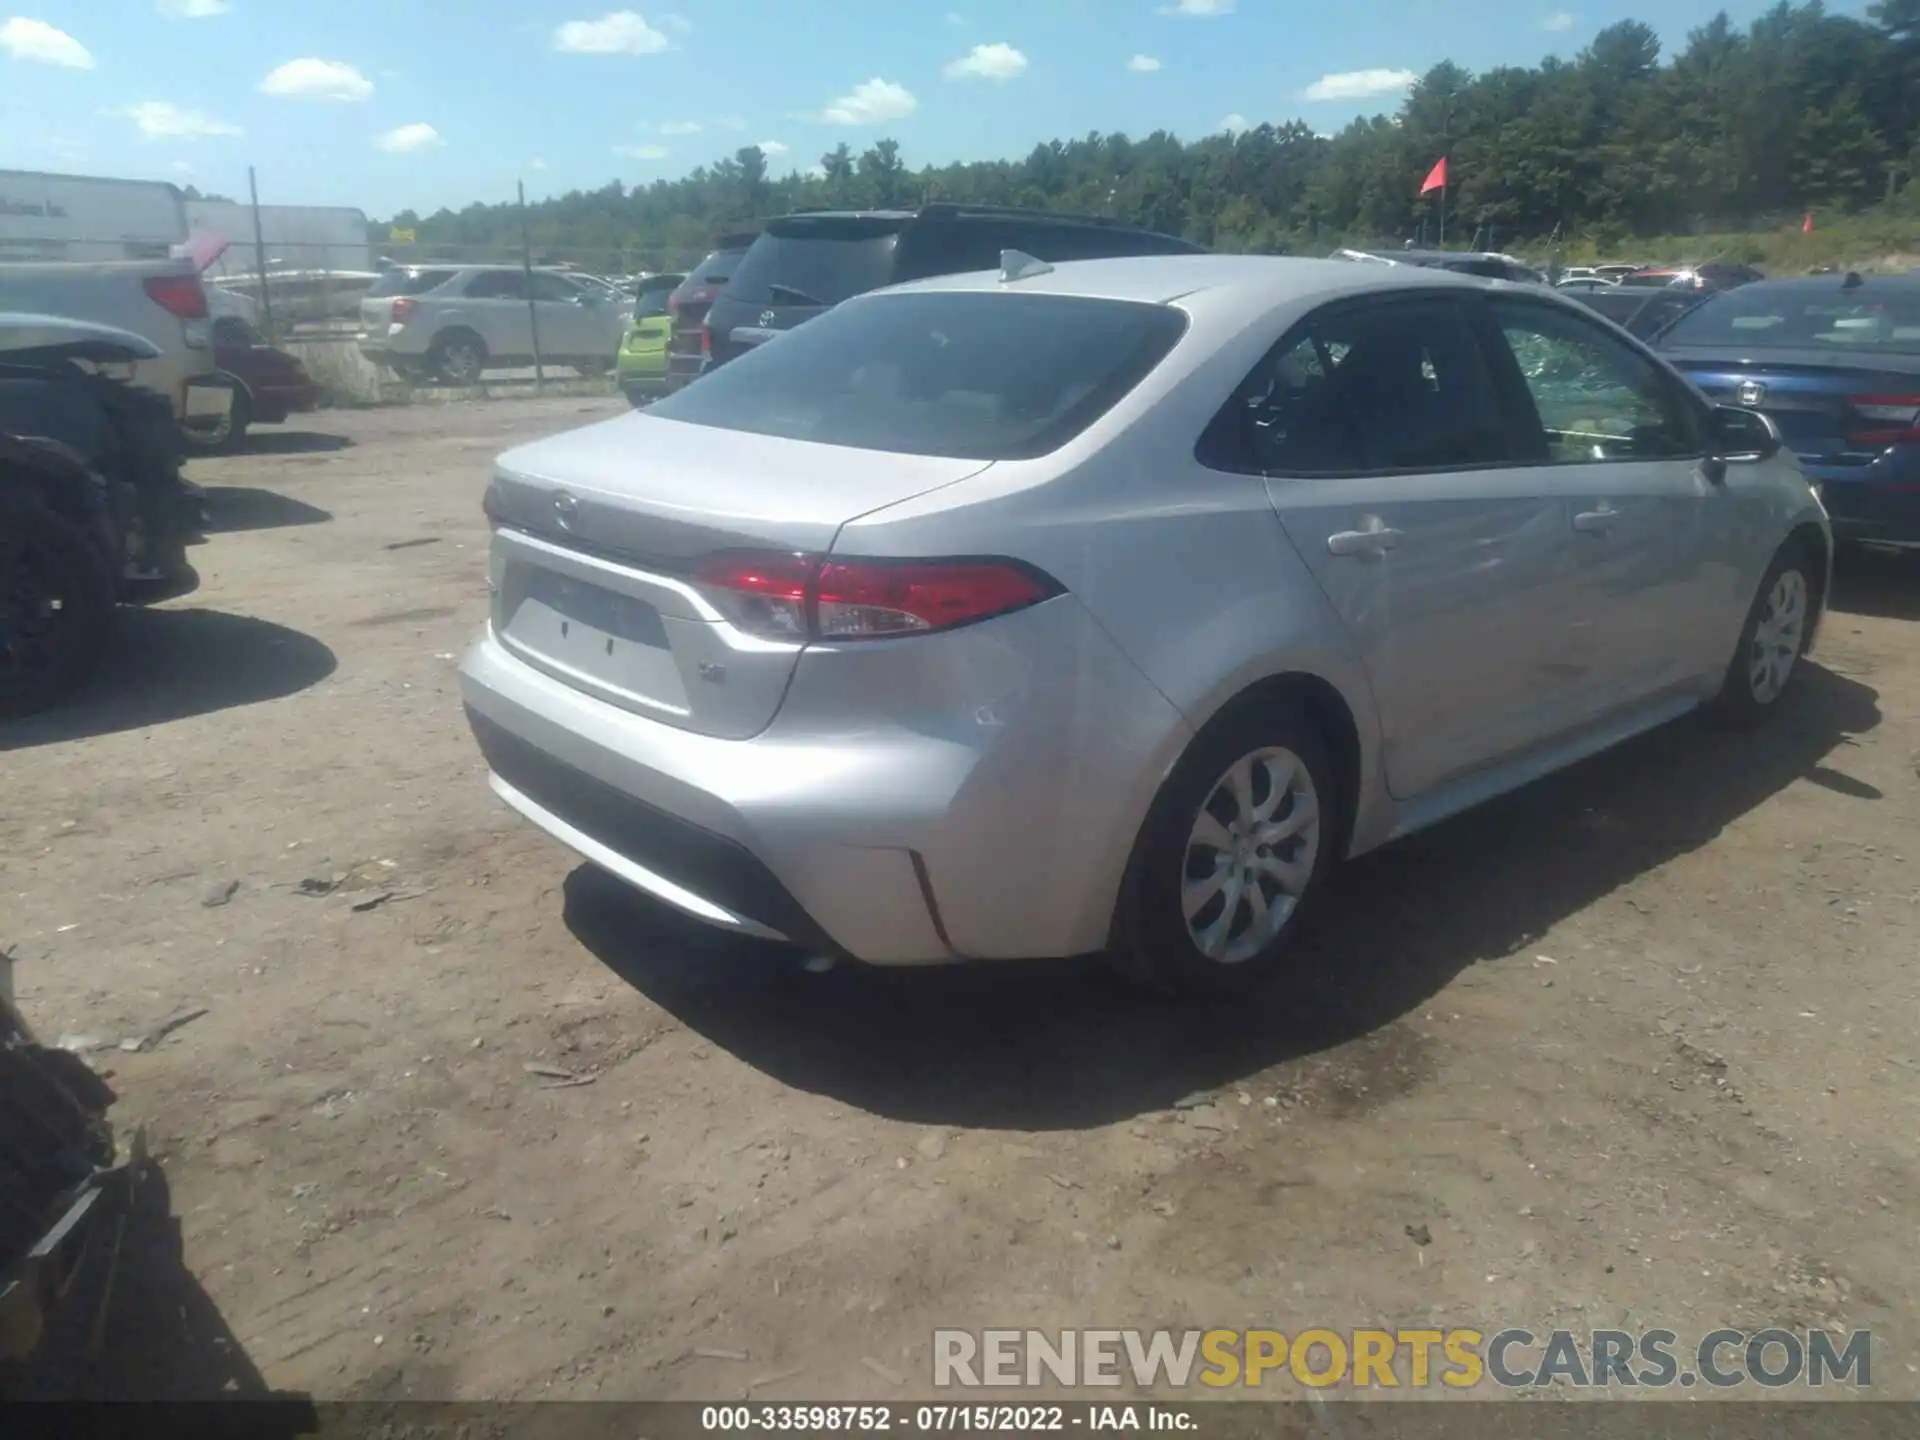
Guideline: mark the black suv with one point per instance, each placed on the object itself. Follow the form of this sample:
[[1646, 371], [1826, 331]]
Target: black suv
[[806, 263]]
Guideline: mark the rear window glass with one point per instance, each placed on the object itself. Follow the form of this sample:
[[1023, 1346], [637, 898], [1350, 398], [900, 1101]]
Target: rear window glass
[[407, 282], [806, 264], [1766, 317], [716, 269], [970, 375]]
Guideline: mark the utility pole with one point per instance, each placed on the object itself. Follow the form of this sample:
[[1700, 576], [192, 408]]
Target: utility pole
[[533, 310], [260, 258]]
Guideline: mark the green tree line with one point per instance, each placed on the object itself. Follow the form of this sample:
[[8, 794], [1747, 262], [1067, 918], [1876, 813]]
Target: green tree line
[[1741, 129]]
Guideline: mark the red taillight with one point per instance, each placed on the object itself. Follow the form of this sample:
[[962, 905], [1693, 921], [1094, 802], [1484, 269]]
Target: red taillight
[[1884, 419], [706, 340], [807, 597], [403, 309], [180, 295]]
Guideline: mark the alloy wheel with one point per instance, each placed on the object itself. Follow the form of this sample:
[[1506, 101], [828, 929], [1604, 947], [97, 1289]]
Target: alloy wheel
[[1778, 637], [1250, 855]]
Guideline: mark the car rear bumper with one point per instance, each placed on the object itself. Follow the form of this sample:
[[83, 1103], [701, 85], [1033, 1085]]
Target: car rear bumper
[[274, 403], [974, 796], [1866, 503]]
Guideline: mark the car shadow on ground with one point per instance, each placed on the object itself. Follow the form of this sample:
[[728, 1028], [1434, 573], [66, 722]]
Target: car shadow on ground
[[1048, 1046], [233, 508], [165, 1338], [290, 442], [1882, 583], [165, 664]]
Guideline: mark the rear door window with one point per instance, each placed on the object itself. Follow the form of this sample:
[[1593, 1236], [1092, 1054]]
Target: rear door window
[[1399, 384], [498, 285], [973, 374], [816, 263]]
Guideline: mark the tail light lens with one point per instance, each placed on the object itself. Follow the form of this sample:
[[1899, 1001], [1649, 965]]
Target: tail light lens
[[490, 506], [1884, 419], [706, 341], [810, 597], [403, 309], [180, 295]]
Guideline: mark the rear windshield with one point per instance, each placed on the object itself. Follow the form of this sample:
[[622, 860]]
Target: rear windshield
[[806, 263], [1767, 317], [407, 282], [974, 375], [716, 269]]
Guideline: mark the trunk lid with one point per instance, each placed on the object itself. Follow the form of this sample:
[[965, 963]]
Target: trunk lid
[[598, 533], [1812, 396]]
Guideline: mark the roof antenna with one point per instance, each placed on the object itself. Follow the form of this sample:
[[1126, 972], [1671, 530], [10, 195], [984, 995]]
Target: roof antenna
[[1018, 265]]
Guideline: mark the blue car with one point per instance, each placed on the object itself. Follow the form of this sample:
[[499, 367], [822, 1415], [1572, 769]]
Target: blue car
[[1834, 361]]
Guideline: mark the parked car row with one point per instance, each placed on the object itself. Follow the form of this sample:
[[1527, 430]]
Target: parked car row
[[1058, 608]]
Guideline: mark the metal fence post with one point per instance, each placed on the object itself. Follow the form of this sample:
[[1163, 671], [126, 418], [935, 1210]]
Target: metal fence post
[[260, 259], [533, 311]]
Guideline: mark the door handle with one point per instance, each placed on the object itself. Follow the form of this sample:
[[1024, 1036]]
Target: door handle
[[1375, 539], [1596, 522]]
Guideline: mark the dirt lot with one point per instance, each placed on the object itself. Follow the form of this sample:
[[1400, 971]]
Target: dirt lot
[[1635, 1047]]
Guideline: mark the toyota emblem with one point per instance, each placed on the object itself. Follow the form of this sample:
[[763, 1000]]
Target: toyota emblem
[[565, 507], [1751, 393]]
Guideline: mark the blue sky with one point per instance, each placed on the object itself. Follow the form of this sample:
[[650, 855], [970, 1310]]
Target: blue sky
[[386, 104]]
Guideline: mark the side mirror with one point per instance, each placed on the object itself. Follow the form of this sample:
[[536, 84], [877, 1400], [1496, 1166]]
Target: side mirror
[[1743, 435]]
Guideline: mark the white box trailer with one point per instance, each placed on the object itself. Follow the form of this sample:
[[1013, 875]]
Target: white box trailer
[[88, 218]]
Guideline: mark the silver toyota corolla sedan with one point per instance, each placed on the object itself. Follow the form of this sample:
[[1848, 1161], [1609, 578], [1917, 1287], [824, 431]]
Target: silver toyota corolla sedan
[[1106, 607]]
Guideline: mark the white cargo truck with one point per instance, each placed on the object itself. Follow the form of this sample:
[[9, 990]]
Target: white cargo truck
[[88, 218]]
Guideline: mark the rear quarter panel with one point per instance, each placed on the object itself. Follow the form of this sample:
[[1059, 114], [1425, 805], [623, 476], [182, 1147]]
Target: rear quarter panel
[[1187, 569], [113, 293]]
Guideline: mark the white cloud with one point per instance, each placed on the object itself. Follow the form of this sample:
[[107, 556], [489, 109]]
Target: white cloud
[[181, 167], [872, 102], [1199, 9], [1358, 84], [162, 120], [676, 127], [536, 163], [773, 149], [1559, 20], [642, 152], [623, 32], [677, 23], [408, 138], [1234, 123], [731, 122], [1143, 64], [955, 18], [192, 9], [816, 172], [310, 79], [987, 62], [25, 39]]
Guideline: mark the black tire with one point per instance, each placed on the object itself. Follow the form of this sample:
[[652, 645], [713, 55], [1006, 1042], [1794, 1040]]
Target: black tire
[[458, 357], [229, 435], [56, 606], [1153, 940], [1744, 700]]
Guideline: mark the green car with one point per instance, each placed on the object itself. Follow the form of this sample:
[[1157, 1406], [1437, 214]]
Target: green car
[[640, 368]]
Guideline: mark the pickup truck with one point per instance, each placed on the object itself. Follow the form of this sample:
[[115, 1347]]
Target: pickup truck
[[162, 301]]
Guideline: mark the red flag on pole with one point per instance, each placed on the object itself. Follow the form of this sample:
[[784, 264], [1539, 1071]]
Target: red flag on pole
[[1436, 177], [1806, 225]]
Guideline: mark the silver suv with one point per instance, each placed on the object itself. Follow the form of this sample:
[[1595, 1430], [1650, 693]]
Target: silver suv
[[452, 323]]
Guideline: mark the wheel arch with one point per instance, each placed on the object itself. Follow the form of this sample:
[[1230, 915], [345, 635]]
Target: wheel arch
[[1343, 720], [1813, 537]]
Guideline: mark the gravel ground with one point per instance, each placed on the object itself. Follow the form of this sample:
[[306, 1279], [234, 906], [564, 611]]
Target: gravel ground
[[1634, 1047]]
